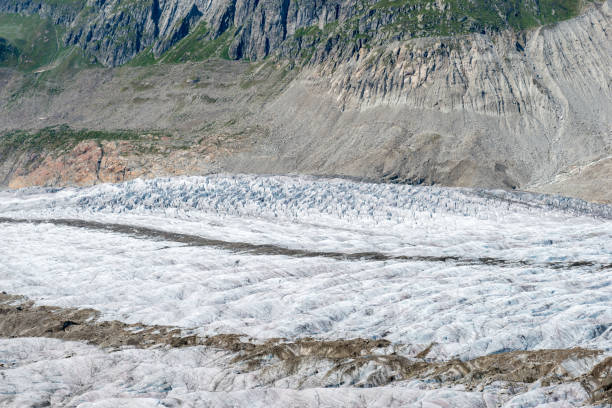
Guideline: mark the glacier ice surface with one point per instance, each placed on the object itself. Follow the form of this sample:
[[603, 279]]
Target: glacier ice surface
[[524, 271]]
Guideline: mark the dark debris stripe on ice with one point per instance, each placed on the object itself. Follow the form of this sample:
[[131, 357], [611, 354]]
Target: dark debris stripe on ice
[[268, 249]]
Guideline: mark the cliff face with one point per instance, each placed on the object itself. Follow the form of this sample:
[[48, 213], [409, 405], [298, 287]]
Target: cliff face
[[114, 31], [59, 11]]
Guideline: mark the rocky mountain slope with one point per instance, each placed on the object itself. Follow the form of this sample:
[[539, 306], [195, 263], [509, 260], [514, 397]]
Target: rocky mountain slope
[[114, 31], [489, 94]]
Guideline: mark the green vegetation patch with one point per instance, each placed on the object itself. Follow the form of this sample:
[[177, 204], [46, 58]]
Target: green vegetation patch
[[143, 58], [448, 17], [34, 44], [9, 54], [59, 138], [197, 46], [312, 31], [37, 41]]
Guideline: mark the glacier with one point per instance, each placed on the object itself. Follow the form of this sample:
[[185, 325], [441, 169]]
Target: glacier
[[468, 272]]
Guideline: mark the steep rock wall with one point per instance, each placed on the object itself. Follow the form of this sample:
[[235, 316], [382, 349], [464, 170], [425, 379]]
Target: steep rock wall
[[60, 12], [497, 111], [114, 31]]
